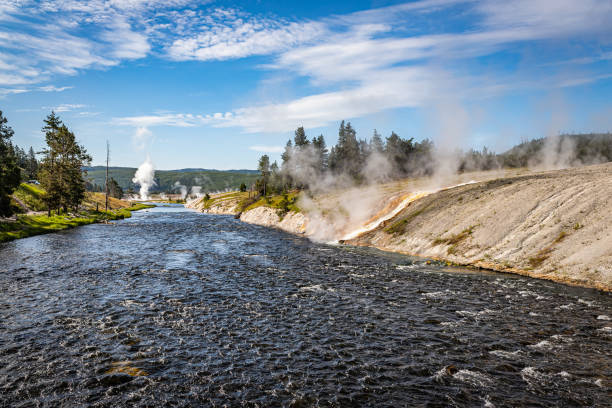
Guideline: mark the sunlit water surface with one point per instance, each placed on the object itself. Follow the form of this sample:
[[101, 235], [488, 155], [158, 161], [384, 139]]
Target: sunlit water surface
[[172, 307]]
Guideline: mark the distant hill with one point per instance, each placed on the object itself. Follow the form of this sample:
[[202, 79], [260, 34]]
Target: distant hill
[[565, 150], [209, 180], [574, 149]]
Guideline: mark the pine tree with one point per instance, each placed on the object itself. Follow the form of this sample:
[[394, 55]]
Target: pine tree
[[321, 149], [286, 171], [10, 173], [276, 182], [337, 155], [264, 169], [61, 169], [300, 138], [352, 159], [114, 189], [377, 143], [32, 165]]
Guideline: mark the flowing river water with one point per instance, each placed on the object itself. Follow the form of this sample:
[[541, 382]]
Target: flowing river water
[[177, 308]]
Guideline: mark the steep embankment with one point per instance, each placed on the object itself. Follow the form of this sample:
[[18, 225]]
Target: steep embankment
[[554, 225], [276, 212], [222, 203]]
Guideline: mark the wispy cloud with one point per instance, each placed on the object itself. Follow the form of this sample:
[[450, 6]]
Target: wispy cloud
[[373, 62], [377, 71], [39, 40], [53, 88], [65, 107], [170, 119], [267, 149], [229, 34], [11, 91], [358, 64]]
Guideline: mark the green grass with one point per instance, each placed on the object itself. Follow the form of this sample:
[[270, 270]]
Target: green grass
[[139, 206], [31, 195], [399, 227], [283, 202], [538, 259], [30, 225], [226, 196], [455, 239]]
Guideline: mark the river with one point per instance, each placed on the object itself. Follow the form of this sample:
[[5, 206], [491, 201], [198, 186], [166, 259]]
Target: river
[[176, 308]]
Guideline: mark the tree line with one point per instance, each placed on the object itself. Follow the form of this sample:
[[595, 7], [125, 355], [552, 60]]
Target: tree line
[[114, 189], [60, 171], [305, 161], [309, 163]]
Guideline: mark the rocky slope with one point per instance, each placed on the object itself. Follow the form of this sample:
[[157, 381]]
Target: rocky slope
[[554, 225], [292, 222], [229, 204], [222, 203]]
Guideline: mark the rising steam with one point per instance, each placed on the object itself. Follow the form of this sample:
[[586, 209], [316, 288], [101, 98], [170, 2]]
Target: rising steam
[[145, 178], [182, 189]]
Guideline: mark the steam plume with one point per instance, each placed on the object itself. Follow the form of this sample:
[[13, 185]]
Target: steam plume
[[180, 187], [145, 178]]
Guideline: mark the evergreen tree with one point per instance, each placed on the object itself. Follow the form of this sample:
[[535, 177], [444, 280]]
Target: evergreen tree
[[376, 144], [276, 182], [300, 138], [22, 159], [286, 171], [264, 169], [352, 158], [337, 155], [321, 149], [287, 153], [32, 165], [61, 174], [243, 187], [10, 173], [114, 189]]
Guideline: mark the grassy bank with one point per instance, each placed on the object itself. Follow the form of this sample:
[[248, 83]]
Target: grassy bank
[[31, 196], [30, 225], [283, 202]]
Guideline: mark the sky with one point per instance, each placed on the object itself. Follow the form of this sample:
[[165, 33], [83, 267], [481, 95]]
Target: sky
[[216, 84]]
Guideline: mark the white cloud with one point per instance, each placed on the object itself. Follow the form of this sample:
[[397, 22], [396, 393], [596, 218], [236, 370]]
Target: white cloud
[[362, 63], [39, 40], [67, 107], [267, 149], [228, 35], [127, 44], [167, 119], [52, 88], [142, 137], [369, 66], [11, 91], [548, 18]]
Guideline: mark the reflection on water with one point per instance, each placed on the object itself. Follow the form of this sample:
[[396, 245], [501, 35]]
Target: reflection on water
[[173, 307]]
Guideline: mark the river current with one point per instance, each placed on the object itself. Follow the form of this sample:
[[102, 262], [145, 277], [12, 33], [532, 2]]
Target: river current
[[177, 308]]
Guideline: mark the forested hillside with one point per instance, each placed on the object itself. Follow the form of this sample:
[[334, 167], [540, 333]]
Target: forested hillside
[[209, 180]]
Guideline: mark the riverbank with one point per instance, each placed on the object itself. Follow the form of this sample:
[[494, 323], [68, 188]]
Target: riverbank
[[34, 220], [554, 225], [29, 225]]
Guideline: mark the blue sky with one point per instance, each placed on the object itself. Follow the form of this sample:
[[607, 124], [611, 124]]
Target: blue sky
[[215, 84]]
